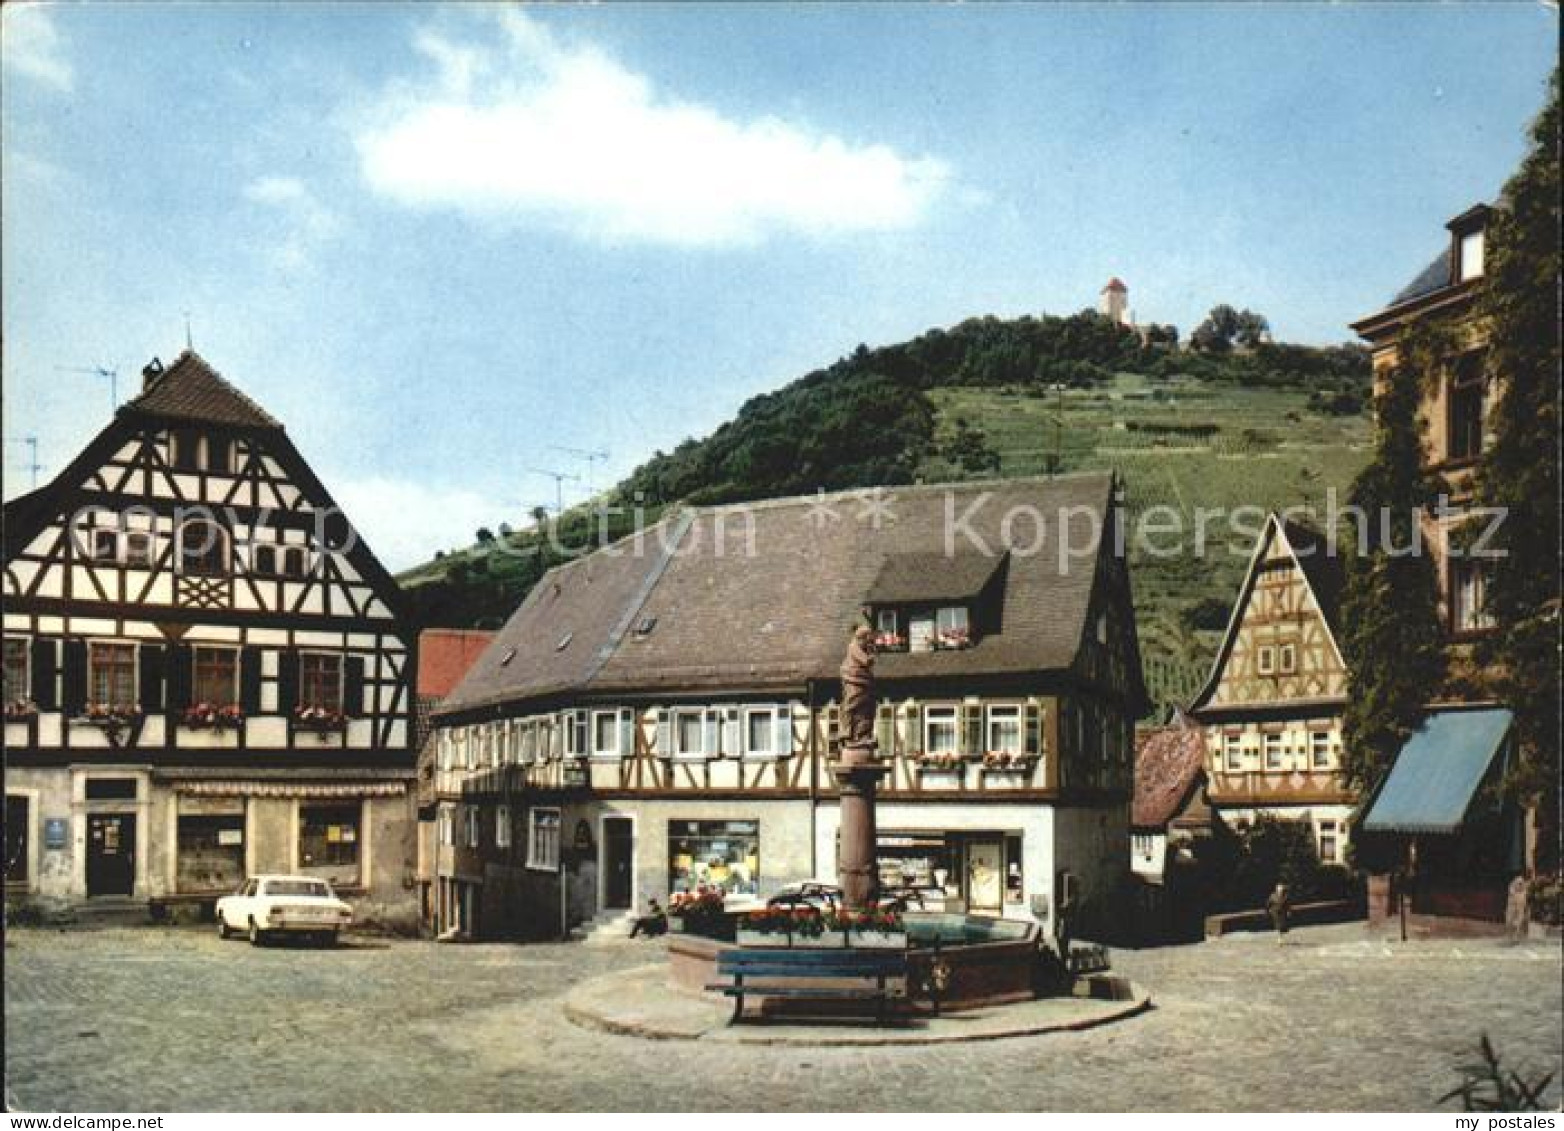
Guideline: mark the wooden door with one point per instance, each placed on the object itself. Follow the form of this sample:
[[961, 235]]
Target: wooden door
[[618, 862], [985, 876], [111, 853]]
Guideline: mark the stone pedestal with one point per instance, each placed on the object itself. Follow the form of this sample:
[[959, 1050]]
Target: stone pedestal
[[857, 776]]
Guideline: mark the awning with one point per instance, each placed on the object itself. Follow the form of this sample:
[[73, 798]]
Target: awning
[[1438, 772], [305, 790]]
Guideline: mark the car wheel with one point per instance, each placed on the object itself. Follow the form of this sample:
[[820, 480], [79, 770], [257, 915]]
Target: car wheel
[[256, 937], [222, 926]]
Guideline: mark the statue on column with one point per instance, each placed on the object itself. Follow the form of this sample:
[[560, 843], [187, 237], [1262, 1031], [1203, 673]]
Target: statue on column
[[858, 705]]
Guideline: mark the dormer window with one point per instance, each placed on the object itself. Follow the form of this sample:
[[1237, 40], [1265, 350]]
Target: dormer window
[[1469, 252], [953, 627]]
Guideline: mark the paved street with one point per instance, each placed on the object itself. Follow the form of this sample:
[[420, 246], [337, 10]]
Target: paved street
[[172, 1019]]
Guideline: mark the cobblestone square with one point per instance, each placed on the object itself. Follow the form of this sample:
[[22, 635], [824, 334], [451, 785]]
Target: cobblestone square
[[173, 1019]]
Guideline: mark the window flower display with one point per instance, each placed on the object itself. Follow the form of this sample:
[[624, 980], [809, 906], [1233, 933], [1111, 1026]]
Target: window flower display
[[20, 710], [319, 718], [211, 716]]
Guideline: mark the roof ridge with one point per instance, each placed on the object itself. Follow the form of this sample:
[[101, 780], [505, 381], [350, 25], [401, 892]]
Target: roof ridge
[[190, 362]]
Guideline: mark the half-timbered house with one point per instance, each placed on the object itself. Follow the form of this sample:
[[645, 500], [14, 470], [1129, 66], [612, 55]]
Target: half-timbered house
[[206, 674], [662, 714], [1272, 705]]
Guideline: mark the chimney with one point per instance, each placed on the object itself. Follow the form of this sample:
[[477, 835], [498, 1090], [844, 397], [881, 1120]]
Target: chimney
[[150, 373]]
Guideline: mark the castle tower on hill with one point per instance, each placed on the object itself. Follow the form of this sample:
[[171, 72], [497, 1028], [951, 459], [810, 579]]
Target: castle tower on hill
[[1114, 301]]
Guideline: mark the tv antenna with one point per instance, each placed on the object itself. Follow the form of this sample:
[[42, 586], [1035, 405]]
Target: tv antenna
[[98, 371], [560, 478], [594, 456], [33, 466]]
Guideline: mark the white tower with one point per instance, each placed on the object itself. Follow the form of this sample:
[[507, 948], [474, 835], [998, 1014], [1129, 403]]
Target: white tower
[[1115, 301]]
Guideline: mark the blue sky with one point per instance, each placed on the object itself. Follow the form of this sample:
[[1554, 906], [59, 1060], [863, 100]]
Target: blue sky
[[439, 241]]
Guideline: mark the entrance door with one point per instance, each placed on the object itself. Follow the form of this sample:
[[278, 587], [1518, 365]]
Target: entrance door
[[985, 876], [618, 859], [111, 853]]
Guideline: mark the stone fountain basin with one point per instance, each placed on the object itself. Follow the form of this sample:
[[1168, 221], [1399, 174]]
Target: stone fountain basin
[[991, 961]]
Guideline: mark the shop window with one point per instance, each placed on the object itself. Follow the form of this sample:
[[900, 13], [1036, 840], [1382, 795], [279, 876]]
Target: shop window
[[18, 676], [543, 839], [723, 854], [203, 549], [922, 861], [211, 852], [1273, 750], [1319, 749], [320, 680], [18, 834], [1004, 730], [111, 674], [216, 676], [1468, 596], [939, 730], [1465, 414], [329, 843]]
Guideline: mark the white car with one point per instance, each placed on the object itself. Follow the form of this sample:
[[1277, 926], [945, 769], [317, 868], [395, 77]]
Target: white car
[[267, 906]]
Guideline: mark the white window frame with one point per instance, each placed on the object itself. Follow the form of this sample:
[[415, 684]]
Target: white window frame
[[1319, 749], [948, 713], [27, 666], [1472, 249], [1013, 712], [772, 714], [472, 825], [1286, 658], [1273, 749], [613, 729], [885, 621], [1332, 828], [135, 668], [1233, 752], [447, 828], [502, 826], [1265, 659], [940, 619], [677, 715], [541, 855]]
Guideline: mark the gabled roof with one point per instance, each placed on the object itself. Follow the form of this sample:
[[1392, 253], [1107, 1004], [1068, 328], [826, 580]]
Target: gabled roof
[[190, 389], [1169, 765], [444, 655], [763, 595], [1435, 279], [1319, 562]]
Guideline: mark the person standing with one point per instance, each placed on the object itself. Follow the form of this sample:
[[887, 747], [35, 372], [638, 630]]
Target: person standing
[[1279, 907]]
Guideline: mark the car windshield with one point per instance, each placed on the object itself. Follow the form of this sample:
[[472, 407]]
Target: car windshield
[[317, 888]]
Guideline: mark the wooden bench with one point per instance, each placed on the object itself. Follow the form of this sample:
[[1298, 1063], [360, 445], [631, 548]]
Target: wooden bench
[[777, 965]]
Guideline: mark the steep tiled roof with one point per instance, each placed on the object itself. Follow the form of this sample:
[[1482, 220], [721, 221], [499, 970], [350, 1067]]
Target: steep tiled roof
[[1168, 764], [763, 595], [1434, 277], [444, 655], [190, 389]]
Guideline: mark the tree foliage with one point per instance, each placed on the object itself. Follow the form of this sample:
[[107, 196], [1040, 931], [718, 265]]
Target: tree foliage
[[1392, 641], [1520, 470]]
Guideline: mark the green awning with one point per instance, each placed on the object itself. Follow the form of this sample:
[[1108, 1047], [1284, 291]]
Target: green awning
[[1438, 772]]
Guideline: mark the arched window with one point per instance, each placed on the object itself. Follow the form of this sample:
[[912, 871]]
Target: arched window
[[203, 549]]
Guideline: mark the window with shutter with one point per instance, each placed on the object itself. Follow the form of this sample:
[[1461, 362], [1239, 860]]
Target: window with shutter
[[151, 678], [1034, 729], [74, 683], [44, 655], [18, 682], [250, 681], [288, 681], [353, 686], [179, 677]]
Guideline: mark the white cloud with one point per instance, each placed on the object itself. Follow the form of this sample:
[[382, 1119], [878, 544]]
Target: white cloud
[[31, 45], [529, 128], [405, 522], [302, 222]]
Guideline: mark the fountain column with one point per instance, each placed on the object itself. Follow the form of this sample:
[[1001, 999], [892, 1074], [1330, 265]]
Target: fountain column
[[857, 773]]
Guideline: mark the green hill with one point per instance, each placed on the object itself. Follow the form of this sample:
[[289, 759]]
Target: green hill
[[1269, 427]]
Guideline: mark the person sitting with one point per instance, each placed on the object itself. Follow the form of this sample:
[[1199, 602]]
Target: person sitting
[[654, 922]]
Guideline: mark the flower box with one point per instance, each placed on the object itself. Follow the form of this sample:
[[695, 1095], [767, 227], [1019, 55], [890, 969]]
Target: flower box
[[321, 720], [942, 777], [21, 711], [204, 716]]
